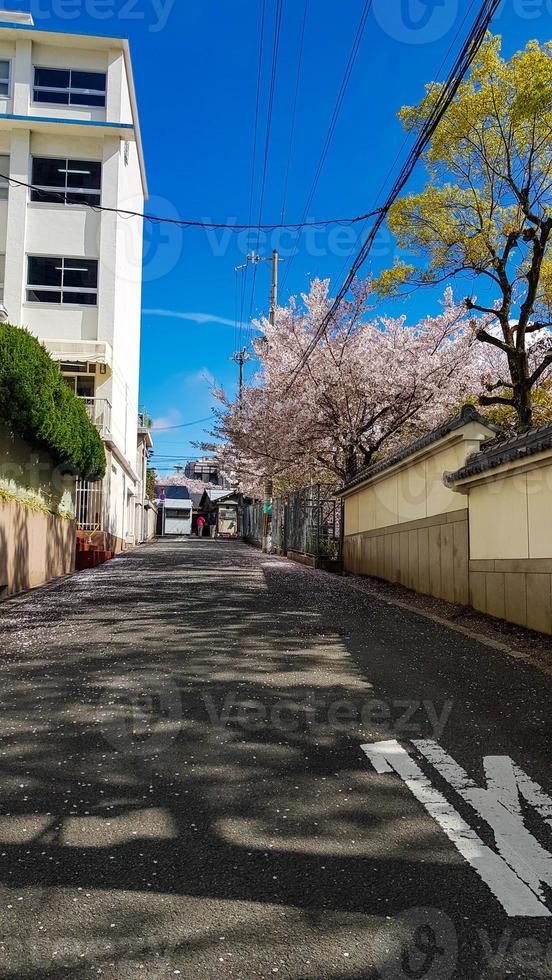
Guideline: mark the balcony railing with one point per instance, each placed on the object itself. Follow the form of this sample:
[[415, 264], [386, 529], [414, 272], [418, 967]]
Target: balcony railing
[[99, 412]]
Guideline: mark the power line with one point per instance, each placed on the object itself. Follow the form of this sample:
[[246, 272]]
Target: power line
[[294, 110], [334, 119], [442, 103], [185, 425], [254, 156], [257, 105], [362, 231], [180, 222], [268, 130]]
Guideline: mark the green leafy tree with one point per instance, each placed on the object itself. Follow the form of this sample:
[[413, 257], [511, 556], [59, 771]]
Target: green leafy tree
[[37, 404], [486, 213]]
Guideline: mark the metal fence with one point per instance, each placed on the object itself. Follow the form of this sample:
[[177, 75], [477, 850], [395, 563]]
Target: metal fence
[[307, 521], [89, 505]]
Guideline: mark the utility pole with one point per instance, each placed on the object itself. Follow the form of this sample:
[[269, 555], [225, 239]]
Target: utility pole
[[268, 494], [240, 358], [274, 289]]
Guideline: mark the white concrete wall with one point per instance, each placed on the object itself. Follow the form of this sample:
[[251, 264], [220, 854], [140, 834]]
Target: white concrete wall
[[47, 56], [128, 293], [32, 228]]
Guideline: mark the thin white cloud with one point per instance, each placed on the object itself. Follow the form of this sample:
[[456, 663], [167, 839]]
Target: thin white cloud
[[172, 417], [194, 317]]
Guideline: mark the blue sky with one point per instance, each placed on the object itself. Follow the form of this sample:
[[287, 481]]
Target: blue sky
[[195, 64]]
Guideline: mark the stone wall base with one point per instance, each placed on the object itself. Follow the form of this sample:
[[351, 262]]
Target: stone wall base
[[429, 556], [517, 589]]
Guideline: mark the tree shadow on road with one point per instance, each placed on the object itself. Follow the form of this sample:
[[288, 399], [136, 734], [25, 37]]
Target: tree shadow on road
[[168, 750]]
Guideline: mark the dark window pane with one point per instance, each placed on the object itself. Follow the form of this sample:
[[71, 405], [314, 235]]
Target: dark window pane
[[85, 387], [88, 79], [59, 98], [80, 299], [52, 77], [48, 172], [81, 272], [91, 100], [43, 296], [83, 199], [84, 173], [73, 367], [44, 271]]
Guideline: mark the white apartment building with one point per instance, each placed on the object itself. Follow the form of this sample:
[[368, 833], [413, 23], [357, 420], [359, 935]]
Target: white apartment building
[[70, 274]]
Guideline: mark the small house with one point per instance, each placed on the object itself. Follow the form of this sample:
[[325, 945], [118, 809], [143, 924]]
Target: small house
[[227, 506]]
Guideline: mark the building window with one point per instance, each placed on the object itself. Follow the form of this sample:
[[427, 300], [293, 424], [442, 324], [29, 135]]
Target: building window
[[2, 271], [4, 175], [83, 387], [73, 282], [67, 86], [66, 181], [5, 79]]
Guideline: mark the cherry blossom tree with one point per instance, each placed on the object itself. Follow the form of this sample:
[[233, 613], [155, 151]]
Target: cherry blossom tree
[[369, 384]]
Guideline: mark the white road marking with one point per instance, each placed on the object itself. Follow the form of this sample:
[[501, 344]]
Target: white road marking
[[513, 893], [499, 804]]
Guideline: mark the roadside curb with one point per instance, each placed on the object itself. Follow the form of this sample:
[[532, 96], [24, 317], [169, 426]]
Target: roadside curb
[[434, 618], [478, 637]]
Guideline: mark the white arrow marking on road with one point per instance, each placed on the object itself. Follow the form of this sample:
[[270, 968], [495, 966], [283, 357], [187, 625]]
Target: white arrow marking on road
[[499, 804], [516, 898]]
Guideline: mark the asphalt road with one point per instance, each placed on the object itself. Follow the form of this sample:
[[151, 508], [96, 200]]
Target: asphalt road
[[183, 790]]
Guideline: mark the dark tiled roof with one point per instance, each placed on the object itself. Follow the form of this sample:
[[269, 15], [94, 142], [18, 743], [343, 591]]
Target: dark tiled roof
[[504, 450], [467, 414]]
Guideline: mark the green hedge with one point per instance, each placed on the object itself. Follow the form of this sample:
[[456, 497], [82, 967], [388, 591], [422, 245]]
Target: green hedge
[[37, 404]]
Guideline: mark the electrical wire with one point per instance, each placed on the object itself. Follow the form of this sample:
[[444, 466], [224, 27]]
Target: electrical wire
[[179, 222], [254, 154], [362, 231], [257, 105], [333, 122], [184, 425], [268, 130], [294, 109], [442, 103]]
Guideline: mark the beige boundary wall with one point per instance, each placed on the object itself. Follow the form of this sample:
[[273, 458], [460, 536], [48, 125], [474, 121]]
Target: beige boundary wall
[[37, 526], [429, 556], [463, 518], [35, 547], [510, 510], [404, 525]]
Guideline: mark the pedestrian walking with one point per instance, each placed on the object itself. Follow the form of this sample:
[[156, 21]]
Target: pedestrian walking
[[213, 523], [200, 525]]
